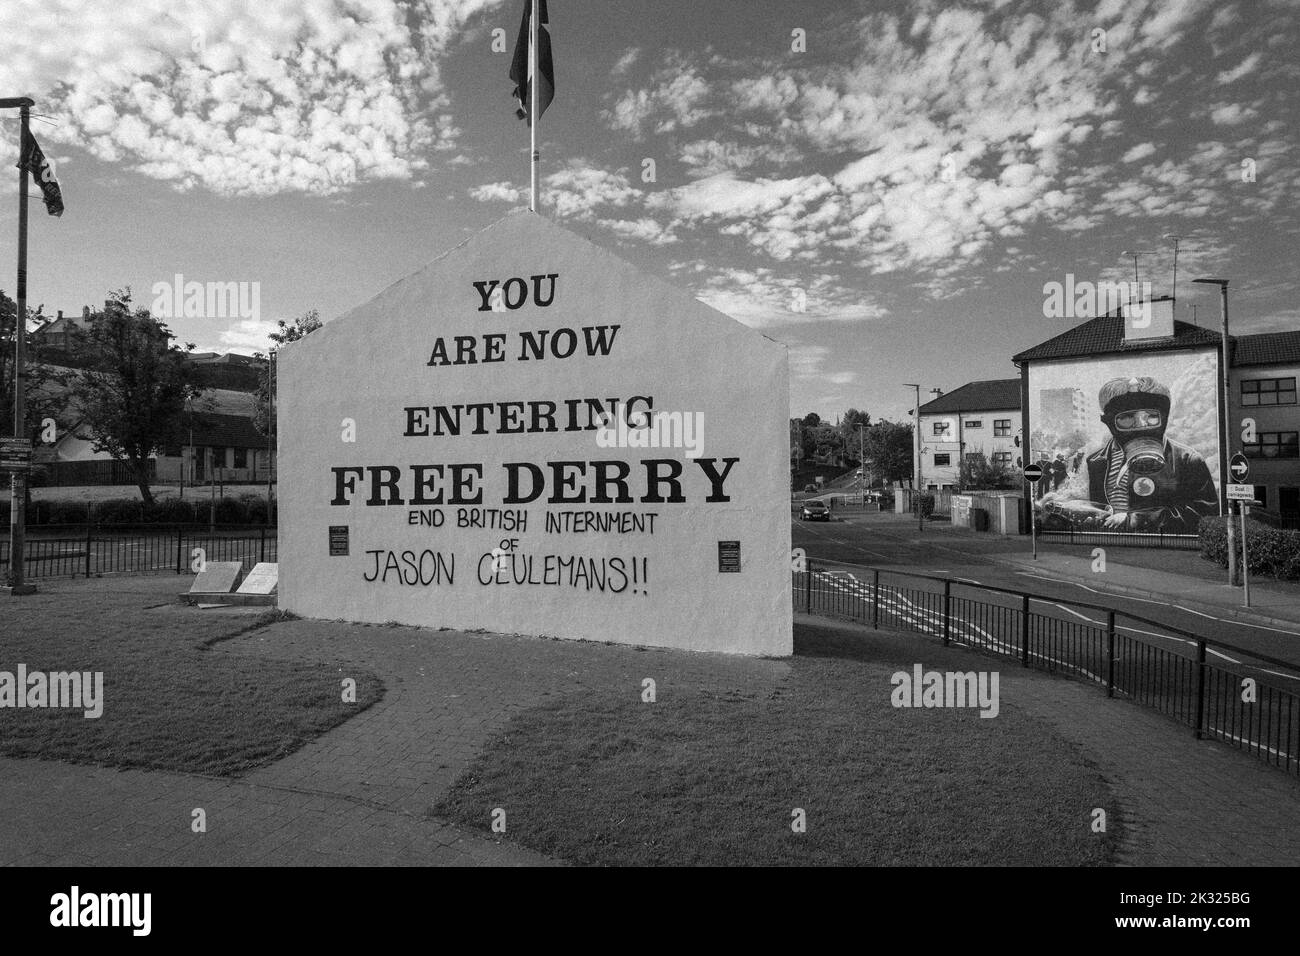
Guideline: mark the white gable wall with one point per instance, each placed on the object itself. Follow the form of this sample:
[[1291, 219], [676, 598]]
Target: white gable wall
[[371, 364]]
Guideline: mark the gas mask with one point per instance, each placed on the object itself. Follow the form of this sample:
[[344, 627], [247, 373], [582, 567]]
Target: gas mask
[[1141, 433]]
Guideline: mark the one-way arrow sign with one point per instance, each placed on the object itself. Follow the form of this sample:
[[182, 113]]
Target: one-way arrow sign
[[1239, 468]]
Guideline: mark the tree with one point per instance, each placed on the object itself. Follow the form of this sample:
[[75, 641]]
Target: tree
[[801, 438], [978, 473], [849, 431], [44, 383], [889, 447], [827, 440], [301, 327], [131, 398], [812, 420]]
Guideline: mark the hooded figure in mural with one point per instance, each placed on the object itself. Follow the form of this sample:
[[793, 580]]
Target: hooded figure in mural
[[1139, 480]]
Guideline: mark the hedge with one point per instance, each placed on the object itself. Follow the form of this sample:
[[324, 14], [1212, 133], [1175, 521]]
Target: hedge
[[244, 510], [1273, 551]]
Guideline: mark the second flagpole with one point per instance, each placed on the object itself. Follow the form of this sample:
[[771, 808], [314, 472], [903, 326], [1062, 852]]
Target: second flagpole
[[532, 97]]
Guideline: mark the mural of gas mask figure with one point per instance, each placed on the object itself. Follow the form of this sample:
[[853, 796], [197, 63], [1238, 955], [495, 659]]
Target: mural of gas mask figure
[[1139, 480]]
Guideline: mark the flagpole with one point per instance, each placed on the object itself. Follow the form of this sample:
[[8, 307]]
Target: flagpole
[[533, 64], [18, 479]]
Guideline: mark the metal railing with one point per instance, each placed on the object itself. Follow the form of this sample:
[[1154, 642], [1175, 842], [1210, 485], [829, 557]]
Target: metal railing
[[1130, 539], [1222, 692], [87, 550]]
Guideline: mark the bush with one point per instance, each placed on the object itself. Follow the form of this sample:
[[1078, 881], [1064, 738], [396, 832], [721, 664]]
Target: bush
[[62, 512], [1273, 551], [172, 511], [231, 511], [254, 509], [118, 511]]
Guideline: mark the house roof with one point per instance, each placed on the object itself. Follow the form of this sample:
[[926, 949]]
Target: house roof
[[214, 429], [230, 358], [1266, 348], [1105, 336], [987, 396], [64, 323]]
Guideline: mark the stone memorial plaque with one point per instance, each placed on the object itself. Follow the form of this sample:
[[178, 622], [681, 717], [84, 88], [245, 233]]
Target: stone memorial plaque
[[217, 577], [262, 579], [728, 556]]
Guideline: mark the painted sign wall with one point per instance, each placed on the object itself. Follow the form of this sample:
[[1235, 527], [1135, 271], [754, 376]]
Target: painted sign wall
[[1126, 443], [532, 436]]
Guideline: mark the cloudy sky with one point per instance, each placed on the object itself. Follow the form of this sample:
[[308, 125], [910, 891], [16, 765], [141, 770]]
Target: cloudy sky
[[884, 187]]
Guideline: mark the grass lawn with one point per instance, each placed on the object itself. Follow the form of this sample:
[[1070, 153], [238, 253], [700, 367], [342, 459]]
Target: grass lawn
[[171, 701], [199, 492], [711, 778]]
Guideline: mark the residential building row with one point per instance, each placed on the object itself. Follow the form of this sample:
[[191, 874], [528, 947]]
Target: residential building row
[[1090, 403]]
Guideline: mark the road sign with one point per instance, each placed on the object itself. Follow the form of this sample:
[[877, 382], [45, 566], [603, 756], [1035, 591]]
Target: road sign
[[1033, 473], [15, 454], [1241, 492], [1239, 467]]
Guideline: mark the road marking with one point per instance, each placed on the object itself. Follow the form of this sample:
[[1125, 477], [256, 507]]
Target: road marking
[[1231, 622], [929, 622], [846, 542]]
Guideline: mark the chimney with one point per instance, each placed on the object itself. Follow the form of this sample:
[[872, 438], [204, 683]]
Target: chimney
[[60, 313], [85, 312], [1148, 320]]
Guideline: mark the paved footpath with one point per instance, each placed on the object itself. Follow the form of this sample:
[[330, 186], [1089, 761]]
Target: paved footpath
[[360, 794]]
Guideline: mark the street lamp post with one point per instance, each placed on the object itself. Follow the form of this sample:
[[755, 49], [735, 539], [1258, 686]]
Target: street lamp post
[[1226, 450], [920, 487], [18, 479], [862, 458]]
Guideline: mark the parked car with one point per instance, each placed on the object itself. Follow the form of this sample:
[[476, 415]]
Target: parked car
[[810, 489], [815, 510]]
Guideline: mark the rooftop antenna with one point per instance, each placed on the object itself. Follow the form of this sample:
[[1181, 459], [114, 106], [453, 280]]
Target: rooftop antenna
[[1175, 239], [1134, 254]]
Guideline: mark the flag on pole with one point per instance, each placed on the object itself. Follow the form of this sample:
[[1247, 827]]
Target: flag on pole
[[520, 67], [32, 158]]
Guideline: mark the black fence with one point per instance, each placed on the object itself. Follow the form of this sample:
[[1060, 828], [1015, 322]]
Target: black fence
[[1184, 676], [78, 473], [72, 550], [1123, 539]]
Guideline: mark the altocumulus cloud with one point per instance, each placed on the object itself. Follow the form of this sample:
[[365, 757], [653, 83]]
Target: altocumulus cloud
[[248, 97]]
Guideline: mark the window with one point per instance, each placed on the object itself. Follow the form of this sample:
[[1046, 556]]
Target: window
[[1001, 426], [1002, 457], [942, 460], [241, 457], [1268, 391], [1261, 495], [941, 428], [974, 423], [1273, 445]]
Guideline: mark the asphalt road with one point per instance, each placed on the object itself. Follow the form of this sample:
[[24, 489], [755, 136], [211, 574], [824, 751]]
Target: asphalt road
[[889, 541]]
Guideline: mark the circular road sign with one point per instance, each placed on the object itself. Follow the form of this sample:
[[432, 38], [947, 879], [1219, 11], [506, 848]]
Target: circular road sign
[[1239, 468], [1033, 472]]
